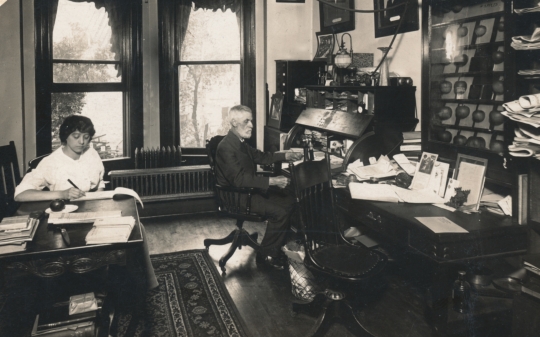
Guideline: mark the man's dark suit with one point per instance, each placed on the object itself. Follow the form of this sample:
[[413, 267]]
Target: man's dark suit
[[236, 166]]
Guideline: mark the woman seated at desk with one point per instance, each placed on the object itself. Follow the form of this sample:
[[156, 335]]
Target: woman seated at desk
[[74, 163]]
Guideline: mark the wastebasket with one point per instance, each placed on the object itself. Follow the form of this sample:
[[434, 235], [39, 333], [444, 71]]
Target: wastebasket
[[304, 284]]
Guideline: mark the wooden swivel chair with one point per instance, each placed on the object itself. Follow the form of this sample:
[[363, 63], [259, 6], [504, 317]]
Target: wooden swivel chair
[[32, 164], [233, 202], [10, 177], [348, 269]]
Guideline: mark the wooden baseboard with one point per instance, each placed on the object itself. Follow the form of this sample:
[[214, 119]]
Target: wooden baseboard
[[177, 207]]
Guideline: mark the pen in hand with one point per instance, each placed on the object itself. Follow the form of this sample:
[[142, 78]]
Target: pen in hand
[[79, 193], [72, 184]]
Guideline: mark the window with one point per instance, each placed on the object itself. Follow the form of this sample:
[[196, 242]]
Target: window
[[203, 68], [86, 64]]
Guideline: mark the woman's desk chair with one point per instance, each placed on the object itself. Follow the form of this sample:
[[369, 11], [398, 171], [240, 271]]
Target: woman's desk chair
[[350, 270], [233, 202], [10, 177]]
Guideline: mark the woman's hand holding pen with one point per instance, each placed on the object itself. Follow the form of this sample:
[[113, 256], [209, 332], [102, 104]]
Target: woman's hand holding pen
[[73, 192]]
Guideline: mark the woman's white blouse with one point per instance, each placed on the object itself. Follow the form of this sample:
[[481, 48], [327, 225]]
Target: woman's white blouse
[[54, 171]]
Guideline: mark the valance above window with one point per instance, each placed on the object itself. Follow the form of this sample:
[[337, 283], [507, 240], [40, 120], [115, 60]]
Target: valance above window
[[115, 10]]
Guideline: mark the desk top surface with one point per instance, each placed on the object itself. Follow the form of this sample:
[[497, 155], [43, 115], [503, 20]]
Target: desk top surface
[[476, 223], [48, 238]]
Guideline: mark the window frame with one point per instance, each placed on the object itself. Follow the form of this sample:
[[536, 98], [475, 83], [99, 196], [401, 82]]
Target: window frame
[[131, 84], [168, 71]]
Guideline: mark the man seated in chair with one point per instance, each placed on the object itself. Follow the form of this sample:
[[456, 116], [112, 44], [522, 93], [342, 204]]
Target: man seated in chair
[[236, 166]]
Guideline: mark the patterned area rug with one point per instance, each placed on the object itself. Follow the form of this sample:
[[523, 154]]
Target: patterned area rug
[[191, 300]]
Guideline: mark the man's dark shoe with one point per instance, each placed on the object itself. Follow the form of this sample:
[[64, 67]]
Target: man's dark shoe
[[269, 261]]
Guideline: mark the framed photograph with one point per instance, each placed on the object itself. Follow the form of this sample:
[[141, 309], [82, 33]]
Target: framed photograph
[[325, 47], [471, 173], [424, 169], [276, 106], [386, 22], [335, 20]]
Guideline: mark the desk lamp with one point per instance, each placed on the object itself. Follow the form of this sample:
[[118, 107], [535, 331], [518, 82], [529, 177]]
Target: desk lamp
[[343, 58]]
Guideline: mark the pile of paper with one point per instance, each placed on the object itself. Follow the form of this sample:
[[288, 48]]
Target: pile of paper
[[526, 142], [16, 231], [527, 42], [527, 10], [382, 168], [526, 111], [58, 218], [111, 230]]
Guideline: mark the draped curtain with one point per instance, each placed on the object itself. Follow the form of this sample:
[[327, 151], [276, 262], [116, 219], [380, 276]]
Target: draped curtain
[[184, 9], [115, 10]]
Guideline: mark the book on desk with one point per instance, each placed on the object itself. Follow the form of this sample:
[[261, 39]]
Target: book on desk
[[16, 231]]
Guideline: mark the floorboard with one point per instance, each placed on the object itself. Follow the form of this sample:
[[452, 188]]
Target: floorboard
[[264, 297]]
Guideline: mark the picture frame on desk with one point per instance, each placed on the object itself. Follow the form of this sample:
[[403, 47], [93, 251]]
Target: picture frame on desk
[[276, 110], [470, 171]]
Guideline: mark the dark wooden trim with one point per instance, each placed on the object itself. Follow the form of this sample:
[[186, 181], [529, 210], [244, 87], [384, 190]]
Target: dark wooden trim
[[183, 63], [86, 87], [248, 67], [86, 61], [168, 109]]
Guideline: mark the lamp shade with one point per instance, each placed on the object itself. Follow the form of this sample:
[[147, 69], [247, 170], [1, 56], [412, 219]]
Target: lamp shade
[[343, 60]]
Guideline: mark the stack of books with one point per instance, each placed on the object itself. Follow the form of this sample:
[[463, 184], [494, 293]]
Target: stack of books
[[532, 286], [111, 230], [412, 145], [16, 231]]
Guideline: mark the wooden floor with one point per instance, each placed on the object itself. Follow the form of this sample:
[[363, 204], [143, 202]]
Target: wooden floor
[[264, 297]]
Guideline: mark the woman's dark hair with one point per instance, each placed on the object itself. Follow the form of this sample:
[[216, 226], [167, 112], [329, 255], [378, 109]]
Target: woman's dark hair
[[76, 123]]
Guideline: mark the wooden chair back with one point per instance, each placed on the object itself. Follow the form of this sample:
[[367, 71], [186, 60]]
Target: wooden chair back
[[234, 202], [10, 177], [312, 183], [32, 164]]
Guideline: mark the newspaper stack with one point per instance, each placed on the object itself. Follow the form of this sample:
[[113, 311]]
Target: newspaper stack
[[527, 10], [526, 111], [527, 42]]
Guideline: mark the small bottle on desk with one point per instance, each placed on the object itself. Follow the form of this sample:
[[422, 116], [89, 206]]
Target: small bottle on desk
[[311, 153], [461, 292]]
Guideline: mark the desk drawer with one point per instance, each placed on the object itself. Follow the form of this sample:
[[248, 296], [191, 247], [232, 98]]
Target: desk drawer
[[468, 247], [390, 229]]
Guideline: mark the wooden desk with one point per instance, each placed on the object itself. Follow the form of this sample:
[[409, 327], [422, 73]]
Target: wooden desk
[[490, 236], [48, 256]]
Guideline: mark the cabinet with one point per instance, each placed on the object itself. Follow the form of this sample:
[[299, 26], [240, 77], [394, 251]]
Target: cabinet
[[468, 73], [291, 75], [368, 121]]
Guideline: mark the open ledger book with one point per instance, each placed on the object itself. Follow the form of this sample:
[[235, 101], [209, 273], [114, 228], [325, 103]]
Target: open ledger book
[[110, 194], [111, 230]]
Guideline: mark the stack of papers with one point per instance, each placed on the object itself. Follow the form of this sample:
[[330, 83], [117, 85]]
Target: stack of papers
[[58, 218], [527, 10], [383, 168], [527, 42], [526, 142], [111, 230], [16, 231]]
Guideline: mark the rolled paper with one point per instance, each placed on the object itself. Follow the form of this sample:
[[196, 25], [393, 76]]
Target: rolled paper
[[529, 101]]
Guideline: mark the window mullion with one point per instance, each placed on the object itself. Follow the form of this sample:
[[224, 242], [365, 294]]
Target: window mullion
[[86, 87]]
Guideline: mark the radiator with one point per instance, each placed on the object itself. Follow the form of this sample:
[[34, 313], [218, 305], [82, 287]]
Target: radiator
[[154, 158], [166, 183]]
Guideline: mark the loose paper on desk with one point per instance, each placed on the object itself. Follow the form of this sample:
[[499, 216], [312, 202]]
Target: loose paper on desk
[[391, 193], [440, 224], [405, 164], [110, 194], [381, 169]]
